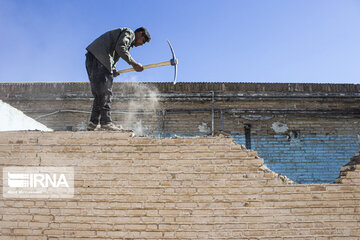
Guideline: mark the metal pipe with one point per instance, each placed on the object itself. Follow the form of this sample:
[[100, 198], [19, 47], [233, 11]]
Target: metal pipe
[[233, 111], [82, 111], [159, 123], [212, 113], [222, 120], [59, 111]]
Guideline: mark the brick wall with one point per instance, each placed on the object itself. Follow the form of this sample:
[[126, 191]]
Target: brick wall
[[315, 155], [171, 188], [323, 117]]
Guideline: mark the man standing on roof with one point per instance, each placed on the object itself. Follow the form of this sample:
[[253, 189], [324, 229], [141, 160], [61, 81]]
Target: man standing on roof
[[101, 59]]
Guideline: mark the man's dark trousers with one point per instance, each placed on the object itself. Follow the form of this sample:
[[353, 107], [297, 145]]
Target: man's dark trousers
[[101, 82]]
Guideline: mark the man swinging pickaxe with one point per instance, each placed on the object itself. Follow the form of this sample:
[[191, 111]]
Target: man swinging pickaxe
[[101, 58]]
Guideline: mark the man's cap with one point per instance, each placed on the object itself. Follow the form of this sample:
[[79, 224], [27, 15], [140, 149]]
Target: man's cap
[[146, 33]]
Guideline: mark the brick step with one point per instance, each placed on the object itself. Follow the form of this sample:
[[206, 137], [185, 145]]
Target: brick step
[[170, 188], [103, 138]]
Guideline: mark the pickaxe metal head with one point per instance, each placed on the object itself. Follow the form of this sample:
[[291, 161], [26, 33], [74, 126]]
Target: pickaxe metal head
[[173, 61]]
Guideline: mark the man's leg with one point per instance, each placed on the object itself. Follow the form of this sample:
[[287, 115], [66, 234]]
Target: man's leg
[[95, 111], [101, 82], [105, 119], [97, 79], [106, 99]]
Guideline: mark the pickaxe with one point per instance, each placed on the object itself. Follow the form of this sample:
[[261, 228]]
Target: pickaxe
[[172, 61]]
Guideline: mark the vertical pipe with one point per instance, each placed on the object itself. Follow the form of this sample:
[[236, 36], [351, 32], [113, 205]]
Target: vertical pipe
[[159, 123], [247, 128], [212, 114], [163, 122], [222, 120]]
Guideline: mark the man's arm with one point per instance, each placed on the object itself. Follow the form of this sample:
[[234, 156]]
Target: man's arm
[[122, 46]]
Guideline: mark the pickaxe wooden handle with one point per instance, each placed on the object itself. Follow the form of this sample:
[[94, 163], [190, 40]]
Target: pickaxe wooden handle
[[172, 62], [154, 65]]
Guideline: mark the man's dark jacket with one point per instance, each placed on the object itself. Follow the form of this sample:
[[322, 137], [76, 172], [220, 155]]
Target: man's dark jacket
[[113, 45]]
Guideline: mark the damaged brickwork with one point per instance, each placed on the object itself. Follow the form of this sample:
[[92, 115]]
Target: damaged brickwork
[[306, 132], [171, 188], [350, 170]]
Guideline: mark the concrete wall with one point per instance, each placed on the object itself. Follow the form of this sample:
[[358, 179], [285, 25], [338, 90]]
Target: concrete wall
[[304, 131], [171, 188]]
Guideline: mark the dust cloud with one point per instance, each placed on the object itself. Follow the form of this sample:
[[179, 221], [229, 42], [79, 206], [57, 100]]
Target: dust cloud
[[141, 100]]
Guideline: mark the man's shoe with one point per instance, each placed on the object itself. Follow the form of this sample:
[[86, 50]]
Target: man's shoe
[[111, 127], [91, 126]]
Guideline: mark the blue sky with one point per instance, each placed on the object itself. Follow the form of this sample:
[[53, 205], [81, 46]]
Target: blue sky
[[305, 41]]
